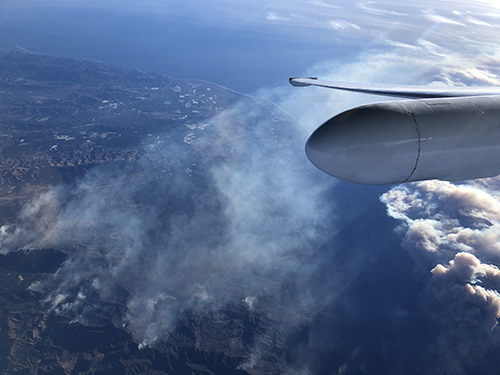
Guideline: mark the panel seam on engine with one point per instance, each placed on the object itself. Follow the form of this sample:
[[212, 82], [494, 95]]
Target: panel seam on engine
[[418, 141]]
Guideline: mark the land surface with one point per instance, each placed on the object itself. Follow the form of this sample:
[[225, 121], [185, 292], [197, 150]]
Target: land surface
[[59, 116], [59, 119]]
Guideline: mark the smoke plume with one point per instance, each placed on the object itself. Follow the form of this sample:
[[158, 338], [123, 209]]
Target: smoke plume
[[228, 217], [237, 216], [452, 233]]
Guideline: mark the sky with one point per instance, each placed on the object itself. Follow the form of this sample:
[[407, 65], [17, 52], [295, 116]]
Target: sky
[[244, 45], [388, 280]]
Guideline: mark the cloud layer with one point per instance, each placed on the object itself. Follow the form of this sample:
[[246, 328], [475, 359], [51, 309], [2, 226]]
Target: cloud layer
[[452, 230], [447, 22]]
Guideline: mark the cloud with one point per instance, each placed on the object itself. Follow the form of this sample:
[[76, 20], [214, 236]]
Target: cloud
[[393, 43], [311, 19], [273, 16], [467, 281], [452, 232], [434, 17], [443, 219], [324, 5], [475, 21], [367, 7], [341, 25]]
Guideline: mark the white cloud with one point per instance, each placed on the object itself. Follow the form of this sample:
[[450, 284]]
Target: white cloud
[[475, 21], [343, 25], [452, 231], [324, 5], [273, 16], [434, 17], [367, 7], [309, 18]]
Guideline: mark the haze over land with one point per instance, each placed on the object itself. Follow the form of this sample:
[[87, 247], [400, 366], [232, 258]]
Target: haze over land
[[196, 230]]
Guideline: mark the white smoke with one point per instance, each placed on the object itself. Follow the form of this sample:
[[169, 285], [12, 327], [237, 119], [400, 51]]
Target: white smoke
[[239, 216], [36, 222], [442, 219], [452, 232], [229, 217], [466, 281]]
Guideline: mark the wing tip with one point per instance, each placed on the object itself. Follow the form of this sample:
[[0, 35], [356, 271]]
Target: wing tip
[[301, 82]]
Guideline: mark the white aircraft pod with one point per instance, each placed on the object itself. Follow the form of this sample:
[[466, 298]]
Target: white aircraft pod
[[450, 138]]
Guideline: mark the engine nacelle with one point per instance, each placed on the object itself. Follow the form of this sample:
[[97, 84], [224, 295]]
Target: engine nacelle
[[411, 140]]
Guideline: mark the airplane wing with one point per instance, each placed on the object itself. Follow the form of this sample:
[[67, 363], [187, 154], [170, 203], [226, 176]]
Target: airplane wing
[[410, 92]]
